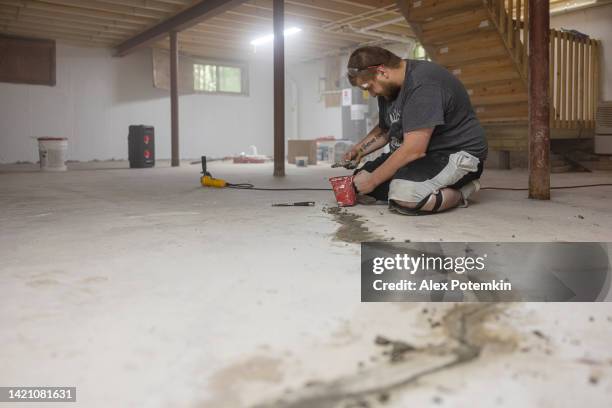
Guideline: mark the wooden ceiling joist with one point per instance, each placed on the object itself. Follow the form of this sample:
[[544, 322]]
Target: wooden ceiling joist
[[212, 25], [77, 11], [264, 27], [181, 21], [96, 5], [38, 26], [68, 18]]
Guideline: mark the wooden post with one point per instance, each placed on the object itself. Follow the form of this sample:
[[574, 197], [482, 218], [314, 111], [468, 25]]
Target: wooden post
[[551, 78], [517, 32], [587, 83], [174, 107], [559, 84], [279, 88], [575, 78], [539, 105], [510, 24], [564, 65], [526, 36]]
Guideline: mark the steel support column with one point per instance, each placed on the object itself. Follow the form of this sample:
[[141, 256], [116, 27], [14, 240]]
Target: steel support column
[[279, 89], [174, 101], [539, 105]]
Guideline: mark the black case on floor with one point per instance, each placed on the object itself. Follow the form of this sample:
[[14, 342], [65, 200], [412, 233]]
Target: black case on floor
[[141, 146]]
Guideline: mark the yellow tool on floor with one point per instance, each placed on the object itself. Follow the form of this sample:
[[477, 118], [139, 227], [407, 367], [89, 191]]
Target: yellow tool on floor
[[209, 181]]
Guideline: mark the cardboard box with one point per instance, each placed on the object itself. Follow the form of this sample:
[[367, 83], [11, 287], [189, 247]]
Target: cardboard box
[[302, 148]]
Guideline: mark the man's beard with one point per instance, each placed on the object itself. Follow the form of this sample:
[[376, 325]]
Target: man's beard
[[390, 91]]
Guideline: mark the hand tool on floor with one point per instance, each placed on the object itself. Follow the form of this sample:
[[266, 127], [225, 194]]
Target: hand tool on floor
[[298, 204], [208, 180]]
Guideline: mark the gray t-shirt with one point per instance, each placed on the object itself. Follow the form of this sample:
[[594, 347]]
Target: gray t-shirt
[[432, 97]]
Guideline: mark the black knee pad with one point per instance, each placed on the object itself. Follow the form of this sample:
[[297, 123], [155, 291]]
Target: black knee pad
[[417, 209]]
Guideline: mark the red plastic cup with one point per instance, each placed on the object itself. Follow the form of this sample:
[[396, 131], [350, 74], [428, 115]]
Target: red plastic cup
[[344, 190]]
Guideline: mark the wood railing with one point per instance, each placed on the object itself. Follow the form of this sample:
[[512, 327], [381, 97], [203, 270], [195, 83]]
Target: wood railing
[[574, 80], [574, 64], [512, 20]]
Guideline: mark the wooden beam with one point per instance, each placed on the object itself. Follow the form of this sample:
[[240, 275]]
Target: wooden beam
[[179, 22], [69, 18], [539, 104], [33, 19], [77, 11], [237, 21], [35, 26], [95, 5], [174, 102], [279, 89], [58, 35], [147, 4]]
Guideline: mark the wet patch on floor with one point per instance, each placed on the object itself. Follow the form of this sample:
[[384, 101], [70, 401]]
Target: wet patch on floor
[[225, 384], [352, 227], [467, 330]]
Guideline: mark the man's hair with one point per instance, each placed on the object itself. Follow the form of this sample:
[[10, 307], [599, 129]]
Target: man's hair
[[365, 57]]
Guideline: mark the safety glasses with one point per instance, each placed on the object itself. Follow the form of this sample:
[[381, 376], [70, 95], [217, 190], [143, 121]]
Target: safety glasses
[[355, 71]]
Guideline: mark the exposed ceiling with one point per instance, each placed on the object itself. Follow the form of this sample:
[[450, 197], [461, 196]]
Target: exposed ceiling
[[328, 25]]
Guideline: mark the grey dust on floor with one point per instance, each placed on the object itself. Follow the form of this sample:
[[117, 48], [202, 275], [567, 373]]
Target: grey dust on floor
[[465, 337]]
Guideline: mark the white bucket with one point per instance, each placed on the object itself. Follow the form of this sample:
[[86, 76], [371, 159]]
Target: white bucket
[[52, 151]]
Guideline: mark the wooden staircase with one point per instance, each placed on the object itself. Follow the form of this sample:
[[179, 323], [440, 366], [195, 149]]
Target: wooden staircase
[[482, 42]]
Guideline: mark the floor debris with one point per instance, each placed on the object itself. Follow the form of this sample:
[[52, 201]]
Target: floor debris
[[466, 336], [352, 226]]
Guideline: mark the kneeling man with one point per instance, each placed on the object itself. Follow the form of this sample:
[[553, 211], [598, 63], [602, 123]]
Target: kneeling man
[[437, 145]]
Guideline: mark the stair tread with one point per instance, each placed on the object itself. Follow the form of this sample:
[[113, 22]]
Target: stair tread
[[472, 57], [462, 37], [452, 36]]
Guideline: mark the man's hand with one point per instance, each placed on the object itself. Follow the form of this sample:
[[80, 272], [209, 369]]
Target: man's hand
[[364, 182], [354, 154]]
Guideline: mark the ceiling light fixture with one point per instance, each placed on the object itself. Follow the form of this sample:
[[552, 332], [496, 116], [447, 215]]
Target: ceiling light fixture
[[270, 37]]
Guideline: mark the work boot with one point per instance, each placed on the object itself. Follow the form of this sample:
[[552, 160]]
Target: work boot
[[469, 189]]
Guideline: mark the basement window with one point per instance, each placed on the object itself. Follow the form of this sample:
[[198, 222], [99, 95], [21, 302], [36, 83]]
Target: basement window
[[217, 78]]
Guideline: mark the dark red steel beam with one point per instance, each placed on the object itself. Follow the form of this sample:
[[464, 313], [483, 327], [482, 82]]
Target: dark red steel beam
[[174, 99], [539, 105], [279, 88], [187, 18]]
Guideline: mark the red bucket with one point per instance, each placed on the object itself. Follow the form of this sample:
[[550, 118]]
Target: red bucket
[[344, 190]]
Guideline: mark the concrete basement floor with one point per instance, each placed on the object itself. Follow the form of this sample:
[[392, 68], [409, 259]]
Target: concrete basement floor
[[143, 289]]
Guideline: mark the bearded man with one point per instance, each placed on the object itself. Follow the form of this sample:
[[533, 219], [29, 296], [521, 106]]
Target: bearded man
[[437, 145]]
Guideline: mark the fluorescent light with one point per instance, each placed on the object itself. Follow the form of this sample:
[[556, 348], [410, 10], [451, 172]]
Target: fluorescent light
[[291, 31], [270, 37], [263, 40]]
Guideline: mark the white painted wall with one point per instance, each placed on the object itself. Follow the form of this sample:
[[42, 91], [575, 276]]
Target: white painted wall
[[596, 22], [314, 119], [98, 96]]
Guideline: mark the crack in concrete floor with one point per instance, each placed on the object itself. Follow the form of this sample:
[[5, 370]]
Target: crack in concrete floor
[[466, 337]]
